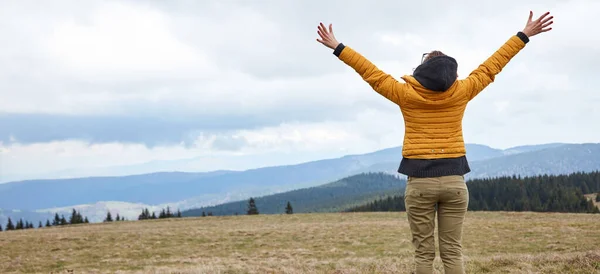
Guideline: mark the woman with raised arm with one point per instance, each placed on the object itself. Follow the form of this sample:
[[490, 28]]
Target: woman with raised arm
[[432, 101]]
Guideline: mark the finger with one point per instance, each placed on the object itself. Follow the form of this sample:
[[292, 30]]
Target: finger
[[547, 19], [547, 24], [530, 16], [325, 32], [320, 41], [331, 31], [543, 15], [323, 28], [545, 30], [322, 35]]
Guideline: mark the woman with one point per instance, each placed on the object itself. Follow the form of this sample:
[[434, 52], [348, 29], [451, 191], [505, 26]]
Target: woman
[[433, 101]]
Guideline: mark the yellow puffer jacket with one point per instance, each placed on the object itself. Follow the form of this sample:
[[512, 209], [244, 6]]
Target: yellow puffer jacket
[[433, 119]]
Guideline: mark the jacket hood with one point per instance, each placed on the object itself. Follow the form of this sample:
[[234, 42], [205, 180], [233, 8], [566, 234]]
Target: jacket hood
[[437, 73]]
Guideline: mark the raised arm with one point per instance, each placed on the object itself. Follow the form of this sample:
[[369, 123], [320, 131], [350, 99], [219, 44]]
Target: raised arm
[[380, 81], [485, 74]]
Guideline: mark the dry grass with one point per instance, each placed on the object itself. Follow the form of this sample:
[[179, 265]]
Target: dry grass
[[302, 243]]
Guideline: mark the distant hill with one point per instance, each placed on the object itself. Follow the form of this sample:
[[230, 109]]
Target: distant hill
[[198, 189], [553, 160], [148, 188], [527, 161], [529, 148], [192, 190], [333, 196]]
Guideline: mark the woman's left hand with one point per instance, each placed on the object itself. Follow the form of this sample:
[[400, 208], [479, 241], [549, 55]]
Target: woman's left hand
[[327, 37]]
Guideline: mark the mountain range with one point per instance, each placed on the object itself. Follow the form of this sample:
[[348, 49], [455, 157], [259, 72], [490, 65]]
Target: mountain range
[[188, 190]]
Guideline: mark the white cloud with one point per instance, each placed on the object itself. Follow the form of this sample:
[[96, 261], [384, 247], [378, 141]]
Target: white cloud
[[120, 38], [259, 63]]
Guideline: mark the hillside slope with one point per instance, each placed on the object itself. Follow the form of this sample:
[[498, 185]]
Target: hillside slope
[[333, 196]]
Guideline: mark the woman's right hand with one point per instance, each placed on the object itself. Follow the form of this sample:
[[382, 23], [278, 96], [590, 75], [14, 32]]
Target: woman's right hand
[[538, 26]]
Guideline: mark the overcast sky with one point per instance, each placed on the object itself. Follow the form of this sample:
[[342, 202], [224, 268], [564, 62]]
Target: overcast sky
[[243, 84]]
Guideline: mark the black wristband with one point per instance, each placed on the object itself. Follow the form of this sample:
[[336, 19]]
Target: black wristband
[[523, 37], [338, 49]]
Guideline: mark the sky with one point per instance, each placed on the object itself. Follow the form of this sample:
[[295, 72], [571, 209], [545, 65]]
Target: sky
[[89, 86]]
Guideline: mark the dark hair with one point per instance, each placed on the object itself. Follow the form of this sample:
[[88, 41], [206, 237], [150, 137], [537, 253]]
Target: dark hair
[[433, 54]]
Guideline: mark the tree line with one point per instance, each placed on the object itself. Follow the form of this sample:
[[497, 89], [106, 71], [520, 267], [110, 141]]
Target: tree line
[[544, 193], [391, 203], [75, 218], [558, 193], [145, 215]]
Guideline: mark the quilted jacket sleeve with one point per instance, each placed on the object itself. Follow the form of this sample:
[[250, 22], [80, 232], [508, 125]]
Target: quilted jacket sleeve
[[485, 74], [380, 81]]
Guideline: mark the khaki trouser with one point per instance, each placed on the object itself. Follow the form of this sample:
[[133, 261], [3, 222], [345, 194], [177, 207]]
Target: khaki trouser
[[451, 196]]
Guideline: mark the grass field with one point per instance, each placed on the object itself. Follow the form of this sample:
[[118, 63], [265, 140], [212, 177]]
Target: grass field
[[494, 242]]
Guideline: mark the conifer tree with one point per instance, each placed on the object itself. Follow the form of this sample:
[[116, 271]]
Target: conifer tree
[[75, 218], [0, 227], [30, 226], [19, 224], [143, 215], [63, 221], [252, 209], [210, 213], [203, 214], [178, 213], [118, 218], [168, 214], [10, 225], [86, 221], [162, 214], [40, 225], [108, 217], [153, 215], [288, 208], [79, 218], [48, 223], [147, 213], [56, 220]]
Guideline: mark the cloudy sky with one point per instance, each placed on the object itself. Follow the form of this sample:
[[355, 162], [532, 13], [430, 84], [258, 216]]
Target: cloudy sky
[[90, 85]]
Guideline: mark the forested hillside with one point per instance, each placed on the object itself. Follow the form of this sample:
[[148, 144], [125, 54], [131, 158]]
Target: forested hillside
[[546, 193], [335, 196]]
